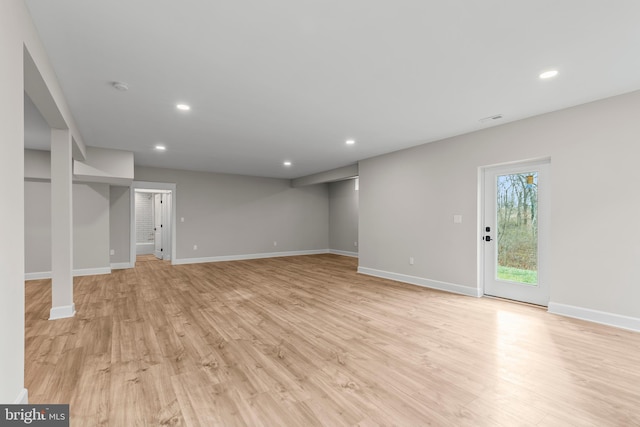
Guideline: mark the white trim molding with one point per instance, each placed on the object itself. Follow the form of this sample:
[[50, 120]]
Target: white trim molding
[[343, 253], [419, 281], [79, 272], [37, 276], [23, 398], [596, 316], [248, 256], [120, 265], [62, 312], [92, 271]]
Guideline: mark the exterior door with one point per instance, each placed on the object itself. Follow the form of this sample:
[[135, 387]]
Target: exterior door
[[516, 232], [157, 224]]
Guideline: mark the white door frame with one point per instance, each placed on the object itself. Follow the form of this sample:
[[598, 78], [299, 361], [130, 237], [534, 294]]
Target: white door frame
[[545, 257], [147, 185], [158, 230]]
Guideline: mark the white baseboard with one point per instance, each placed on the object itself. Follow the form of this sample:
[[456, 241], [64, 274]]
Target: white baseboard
[[37, 276], [92, 271], [248, 256], [79, 272], [120, 265], [602, 317], [419, 281], [62, 312], [23, 398], [344, 253]]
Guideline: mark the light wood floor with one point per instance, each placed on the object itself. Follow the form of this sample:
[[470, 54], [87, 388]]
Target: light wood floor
[[306, 341]]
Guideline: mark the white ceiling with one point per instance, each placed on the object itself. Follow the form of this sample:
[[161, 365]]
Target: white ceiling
[[279, 80]]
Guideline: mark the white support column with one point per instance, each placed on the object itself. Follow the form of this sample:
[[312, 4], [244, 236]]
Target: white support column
[[61, 225]]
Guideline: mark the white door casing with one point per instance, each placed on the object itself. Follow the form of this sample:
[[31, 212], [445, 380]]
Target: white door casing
[[496, 281], [157, 224]]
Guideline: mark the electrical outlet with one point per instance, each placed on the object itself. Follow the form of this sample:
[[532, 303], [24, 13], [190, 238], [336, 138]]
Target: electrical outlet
[[181, 219], [195, 247], [112, 252], [275, 243], [410, 260], [355, 244]]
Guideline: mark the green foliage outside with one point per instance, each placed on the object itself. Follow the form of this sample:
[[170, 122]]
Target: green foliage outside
[[518, 275], [517, 221]]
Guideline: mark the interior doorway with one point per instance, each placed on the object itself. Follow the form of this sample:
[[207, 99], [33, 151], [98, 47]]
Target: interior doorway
[[515, 231], [153, 222], [153, 230]]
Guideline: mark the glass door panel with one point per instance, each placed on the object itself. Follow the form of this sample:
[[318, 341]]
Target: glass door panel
[[517, 227]]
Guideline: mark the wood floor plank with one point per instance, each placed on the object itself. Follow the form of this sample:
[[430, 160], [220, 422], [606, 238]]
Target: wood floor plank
[[307, 341]]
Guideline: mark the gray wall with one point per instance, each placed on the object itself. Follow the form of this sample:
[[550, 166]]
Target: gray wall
[[408, 199], [226, 215], [90, 226], [37, 220], [343, 216], [119, 224]]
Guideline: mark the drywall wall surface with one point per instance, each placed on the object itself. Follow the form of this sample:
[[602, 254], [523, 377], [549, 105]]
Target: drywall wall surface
[[145, 232], [37, 220], [119, 224], [13, 19], [37, 164], [408, 199], [227, 215], [91, 226], [105, 165], [343, 216], [333, 175]]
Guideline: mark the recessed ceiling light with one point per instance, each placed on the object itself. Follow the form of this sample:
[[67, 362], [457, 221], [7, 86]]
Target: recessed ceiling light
[[350, 141], [287, 163], [183, 107], [160, 147], [549, 74]]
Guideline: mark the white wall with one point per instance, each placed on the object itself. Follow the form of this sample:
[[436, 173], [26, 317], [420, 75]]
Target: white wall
[[343, 217], [144, 217], [234, 215], [13, 18], [408, 199], [90, 227], [119, 224], [37, 221], [105, 165], [17, 37]]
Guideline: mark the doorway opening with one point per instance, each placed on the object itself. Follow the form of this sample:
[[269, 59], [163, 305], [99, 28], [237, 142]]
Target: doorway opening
[[153, 221], [515, 231]]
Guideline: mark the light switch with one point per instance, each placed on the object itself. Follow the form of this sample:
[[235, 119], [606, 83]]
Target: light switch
[[457, 219]]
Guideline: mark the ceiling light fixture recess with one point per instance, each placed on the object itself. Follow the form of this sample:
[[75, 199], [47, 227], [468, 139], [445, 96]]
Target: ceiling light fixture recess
[[350, 141], [160, 147], [183, 107], [120, 86], [548, 74]]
